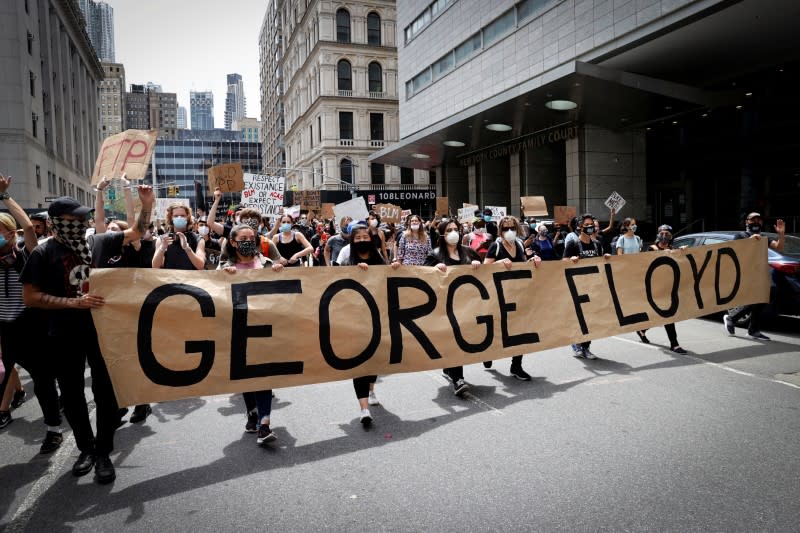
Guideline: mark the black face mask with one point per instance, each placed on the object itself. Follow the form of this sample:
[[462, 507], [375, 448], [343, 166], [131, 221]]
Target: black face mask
[[362, 247], [589, 230], [754, 228]]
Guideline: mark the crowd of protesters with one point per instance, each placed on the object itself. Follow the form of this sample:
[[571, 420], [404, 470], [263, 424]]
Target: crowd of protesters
[[44, 292]]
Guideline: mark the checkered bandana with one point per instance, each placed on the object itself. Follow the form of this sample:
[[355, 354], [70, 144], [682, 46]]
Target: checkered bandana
[[72, 233]]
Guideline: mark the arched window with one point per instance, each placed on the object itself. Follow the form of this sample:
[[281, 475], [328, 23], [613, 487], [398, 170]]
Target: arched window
[[344, 75], [343, 26], [374, 29], [375, 78], [346, 170]]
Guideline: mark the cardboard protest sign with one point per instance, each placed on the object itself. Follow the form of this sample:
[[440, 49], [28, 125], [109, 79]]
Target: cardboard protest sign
[[404, 214], [355, 208], [389, 213], [615, 202], [264, 193], [497, 212], [163, 203], [534, 206], [562, 214], [442, 205], [308, 199], [235, 335], [327, 211], [293, 211], [126, 153], [228, 177]]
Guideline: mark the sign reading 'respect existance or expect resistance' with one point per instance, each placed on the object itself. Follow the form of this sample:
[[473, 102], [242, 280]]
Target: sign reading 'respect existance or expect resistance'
[[167, 336]]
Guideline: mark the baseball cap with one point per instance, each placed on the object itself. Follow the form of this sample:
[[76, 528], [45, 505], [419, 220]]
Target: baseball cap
[[41, 215], [754, 215], [66, 205]]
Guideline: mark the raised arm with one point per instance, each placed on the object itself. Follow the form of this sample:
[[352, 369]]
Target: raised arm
[[100, 206], [211, 219], [137, 230], [19, 215], [129, 207]]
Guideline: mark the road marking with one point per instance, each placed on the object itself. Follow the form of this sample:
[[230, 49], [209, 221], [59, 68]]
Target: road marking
[[637, 343], [439, 378]]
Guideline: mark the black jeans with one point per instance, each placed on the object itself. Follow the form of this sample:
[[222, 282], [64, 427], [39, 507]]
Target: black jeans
[[16, 342], [755, 311], [361, 385], [74, 351]]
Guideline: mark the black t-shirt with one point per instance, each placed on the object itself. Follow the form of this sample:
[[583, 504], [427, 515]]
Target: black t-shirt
[[175, 258], [583, 250], [437, 255], [107, 250], [213, 253], [498, 252]]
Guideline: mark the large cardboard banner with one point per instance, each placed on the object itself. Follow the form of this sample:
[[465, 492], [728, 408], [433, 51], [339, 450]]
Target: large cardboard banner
[[126, 153], [168, 334], [265, 193], [229, 177]]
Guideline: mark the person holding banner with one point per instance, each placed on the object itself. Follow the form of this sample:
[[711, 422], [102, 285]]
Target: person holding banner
[[55, 279], [244, 253], [509, 250], [291, 244], [179, 248], [377, 236], [414, 244], [541, 245], [336, 242], [449, 252]]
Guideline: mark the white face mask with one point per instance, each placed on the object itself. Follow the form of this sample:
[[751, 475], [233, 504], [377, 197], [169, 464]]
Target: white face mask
[[373, 223], [203, 230], [480, 230], [414, 227], [510, 235], [452, 238]]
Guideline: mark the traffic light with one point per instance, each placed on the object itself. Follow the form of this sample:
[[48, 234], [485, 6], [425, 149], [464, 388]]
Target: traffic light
[[177, 191], [170, 191]]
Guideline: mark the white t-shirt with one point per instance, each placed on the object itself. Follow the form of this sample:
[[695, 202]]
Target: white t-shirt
[[344, 256]]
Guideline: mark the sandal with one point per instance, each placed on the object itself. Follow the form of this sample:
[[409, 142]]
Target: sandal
[[643, 337], [678, 349]]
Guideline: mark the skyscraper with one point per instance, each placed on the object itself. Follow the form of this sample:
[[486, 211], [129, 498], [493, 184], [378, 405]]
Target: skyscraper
[[181, 117], [147, 109], [111, 99], [234, 100], [100, 28], [201, 104]]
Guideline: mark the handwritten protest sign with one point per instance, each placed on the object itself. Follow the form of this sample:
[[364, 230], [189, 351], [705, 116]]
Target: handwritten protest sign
[[562, 214], [497, 212], [126, 153], [264, 193], [404, 214], [355, 208], [534, 206], [308, 199], [389, 213], [615, 202], [163, 203], [442, 205], [235, 335], [228, 177]]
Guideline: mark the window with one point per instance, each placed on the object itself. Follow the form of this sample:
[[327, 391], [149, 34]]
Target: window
[[311, 135], [527, 8], [32, 78], [344, 75], [346, 125], [465, 49], [376, 126], [407, 176], [375, 78], [30, 43], [343, 26], [38, 177], [346, 171], [319, 128], [422, 79], [378, 172], [374, 29], [34, 124], [499, 27], [443, 66]]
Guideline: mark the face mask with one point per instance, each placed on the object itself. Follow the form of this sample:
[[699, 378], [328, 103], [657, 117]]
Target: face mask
[[3, 241], [480, 230], [285, 227], [589, 230], [373, 223], [362, 247], [414, 227], [452, 238], [203, 230], [664, 240], [303, 221], [247, 248], [532, 225], [179, 222], [543, 231], [487, 218], [632, 227], [510, 235], [754, 228]]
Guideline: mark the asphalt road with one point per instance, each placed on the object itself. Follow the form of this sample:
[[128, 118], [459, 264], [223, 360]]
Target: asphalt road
[[641, 440]]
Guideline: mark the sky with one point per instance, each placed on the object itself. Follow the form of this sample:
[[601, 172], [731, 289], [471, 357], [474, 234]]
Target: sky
[[186, 45]]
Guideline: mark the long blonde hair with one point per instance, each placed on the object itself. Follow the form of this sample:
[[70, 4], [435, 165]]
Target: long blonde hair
[[11, 225], [408, 234]]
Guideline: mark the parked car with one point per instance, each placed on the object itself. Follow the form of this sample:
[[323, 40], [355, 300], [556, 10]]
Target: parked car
[[784, 270]]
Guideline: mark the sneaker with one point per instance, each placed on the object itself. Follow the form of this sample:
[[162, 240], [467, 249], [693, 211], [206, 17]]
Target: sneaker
[[678, 349], [460, 387], [5, 419], [84, 464], [446, 376], [19, 398], [487, 364], [373, 400], [104, 470], [520, 374], [577, 351], [140, 413], [757, 335], [265, 435], [51, 443], [366, 418], [252, 422], [727, 323], [588, 354]]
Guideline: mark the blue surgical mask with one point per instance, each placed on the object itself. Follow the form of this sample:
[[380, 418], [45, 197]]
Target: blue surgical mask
[[285, 227], [179, 222], [487, 218], [633, 227], [3, 241]]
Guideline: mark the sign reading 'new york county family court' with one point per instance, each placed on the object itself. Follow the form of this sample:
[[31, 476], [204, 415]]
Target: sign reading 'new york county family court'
[[169, 334]]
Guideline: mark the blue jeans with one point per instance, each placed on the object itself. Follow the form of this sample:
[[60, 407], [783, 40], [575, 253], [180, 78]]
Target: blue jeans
[[263, 404]]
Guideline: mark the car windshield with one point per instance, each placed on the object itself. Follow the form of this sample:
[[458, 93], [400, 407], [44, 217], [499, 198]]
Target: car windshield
[[791, 246]]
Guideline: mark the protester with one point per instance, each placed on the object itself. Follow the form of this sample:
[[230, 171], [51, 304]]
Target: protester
[[626, 243], [56, 279], [579, 249], [541, 245], [450, 252], [377, 236], [414, 245], [243, 253], [478, 239], [179, 248], [213, 245], [508, 251], [291, 244], [754, 223], [40, 226], [336, 242], [318, 244], [602, 236]]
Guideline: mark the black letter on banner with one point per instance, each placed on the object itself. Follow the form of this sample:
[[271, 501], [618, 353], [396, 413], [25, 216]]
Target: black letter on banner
[[505, 308], [483, 319], [578, 299], [154, 370], [240, 331], [325, 325], [676, 280], [729, 252], [698, 276], [621, 318], [406, 317]]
